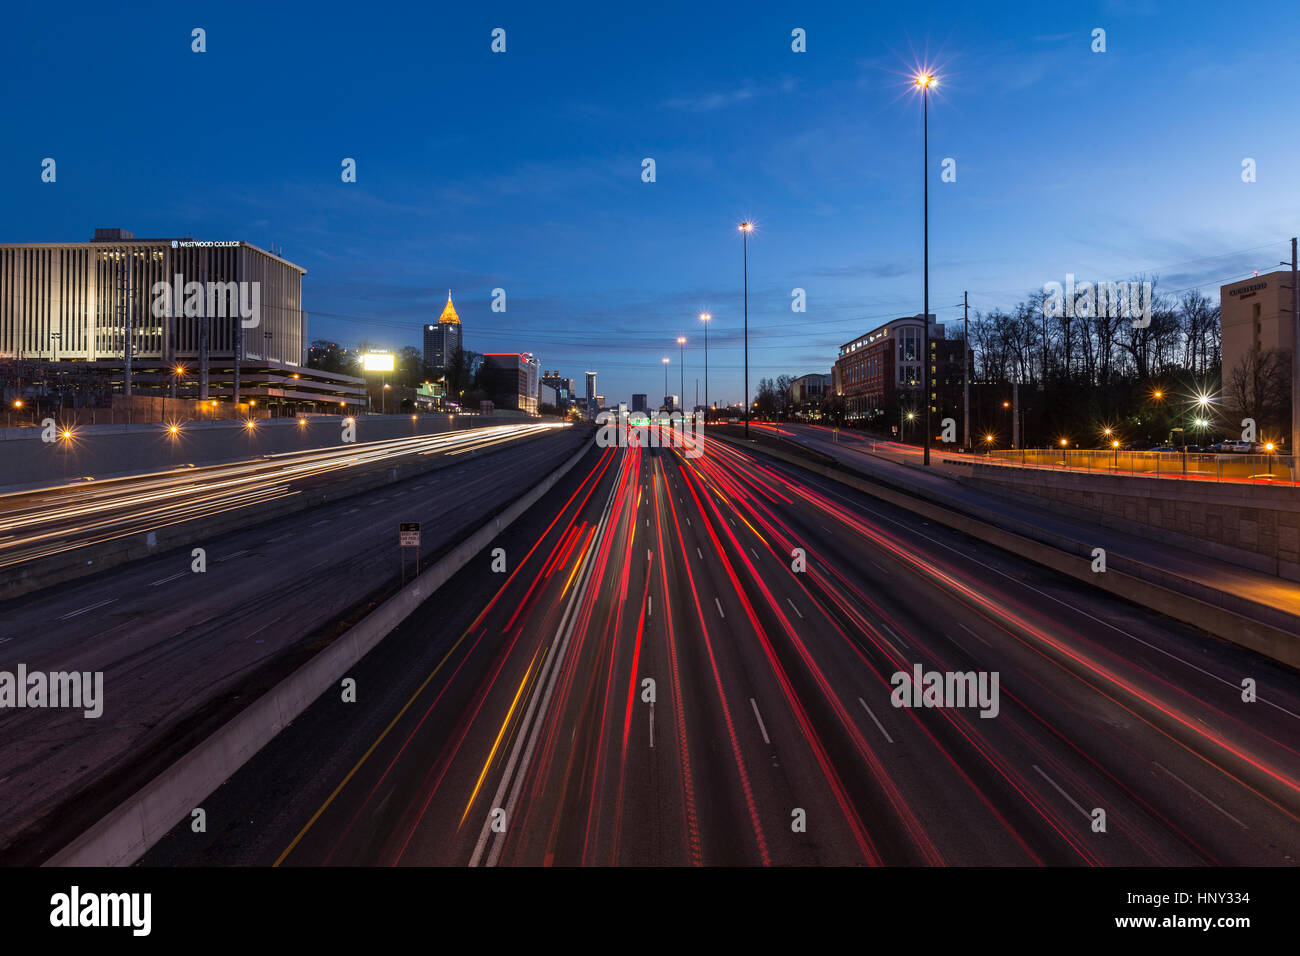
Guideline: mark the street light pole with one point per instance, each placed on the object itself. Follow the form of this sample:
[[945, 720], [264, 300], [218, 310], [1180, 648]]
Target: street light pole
[[1295, 357], [681, 343], [925, 81], [965, 365], [745, 229], [704, 317]]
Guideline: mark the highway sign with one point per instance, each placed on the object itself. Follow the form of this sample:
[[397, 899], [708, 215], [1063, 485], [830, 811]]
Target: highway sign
[[408, 533]]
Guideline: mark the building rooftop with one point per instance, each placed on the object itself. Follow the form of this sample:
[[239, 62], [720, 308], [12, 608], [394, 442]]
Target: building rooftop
[[449, 316]]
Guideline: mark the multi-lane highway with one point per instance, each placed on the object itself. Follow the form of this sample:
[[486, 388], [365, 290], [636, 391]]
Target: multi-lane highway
[[183, 647], [689, 661], [37, 524]]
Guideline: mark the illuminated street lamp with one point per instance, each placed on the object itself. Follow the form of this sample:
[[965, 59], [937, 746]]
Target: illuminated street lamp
[[745, 229], [681, 345], [924, 82], [704, 317]]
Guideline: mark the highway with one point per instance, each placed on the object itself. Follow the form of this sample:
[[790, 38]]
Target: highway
[[511, 722], [182, 651], [36, 524]]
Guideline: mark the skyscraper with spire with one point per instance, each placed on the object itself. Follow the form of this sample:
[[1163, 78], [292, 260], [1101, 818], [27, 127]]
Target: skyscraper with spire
[[442, 341]]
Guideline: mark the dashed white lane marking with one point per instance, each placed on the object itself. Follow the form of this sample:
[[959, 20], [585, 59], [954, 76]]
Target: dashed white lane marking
[[719, 604], [1202, 796], [700, 553], [227, 557], [795, 609], [759, 718], [876, 719], [178, 574], [319, 523], [83, 610], [649, 605], [973, 634], [883, 569], [1073, 802], [754, 553]]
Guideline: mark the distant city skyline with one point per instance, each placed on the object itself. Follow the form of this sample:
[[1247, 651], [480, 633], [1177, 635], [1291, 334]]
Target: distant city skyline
[[514, 171]]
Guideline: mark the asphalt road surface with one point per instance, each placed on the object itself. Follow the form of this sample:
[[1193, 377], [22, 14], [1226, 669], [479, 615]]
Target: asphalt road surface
[[182, 651], [511, 720]]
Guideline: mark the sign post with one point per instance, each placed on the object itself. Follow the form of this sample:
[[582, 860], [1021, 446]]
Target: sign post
[[408, 536]]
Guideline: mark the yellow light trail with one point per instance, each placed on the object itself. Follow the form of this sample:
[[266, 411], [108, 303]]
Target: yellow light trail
[[505, 724]]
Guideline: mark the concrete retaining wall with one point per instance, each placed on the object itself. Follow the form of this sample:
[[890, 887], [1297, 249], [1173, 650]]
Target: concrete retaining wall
[[127, 833], [1254, 525]]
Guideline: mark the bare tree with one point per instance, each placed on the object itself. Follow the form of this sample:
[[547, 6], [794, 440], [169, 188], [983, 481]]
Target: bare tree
[[1259, 387]]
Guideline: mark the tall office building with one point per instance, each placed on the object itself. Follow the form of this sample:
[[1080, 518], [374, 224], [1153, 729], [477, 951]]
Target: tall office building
[[443, 340], [512, 380], [591, 392], [879, 373], [563, 388], [639, 402], [83, 301]]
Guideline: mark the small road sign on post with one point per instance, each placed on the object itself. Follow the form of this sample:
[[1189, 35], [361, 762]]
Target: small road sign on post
[[408, 536]]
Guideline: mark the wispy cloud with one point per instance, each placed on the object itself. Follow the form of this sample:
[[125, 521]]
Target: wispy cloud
[[709, 102]]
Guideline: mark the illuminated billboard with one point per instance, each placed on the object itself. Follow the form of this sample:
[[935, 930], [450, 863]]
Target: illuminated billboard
[[377, 361]]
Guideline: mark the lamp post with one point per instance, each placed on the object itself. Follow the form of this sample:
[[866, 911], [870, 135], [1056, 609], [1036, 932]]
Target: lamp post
[[745, 229], [681, 345], [704, 317], [925, 81]]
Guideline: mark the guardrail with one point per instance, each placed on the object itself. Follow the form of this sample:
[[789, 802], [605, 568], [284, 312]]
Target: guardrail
[[1227, 467]]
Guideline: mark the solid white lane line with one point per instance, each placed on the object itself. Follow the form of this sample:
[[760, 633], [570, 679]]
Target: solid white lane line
[[795, 609], [759, 718], [1073, 802], [178, 574], [85, 609], [876, 719], [719, 604]]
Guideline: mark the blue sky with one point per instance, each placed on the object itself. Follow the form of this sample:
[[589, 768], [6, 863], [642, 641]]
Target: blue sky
[[522, 170]]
